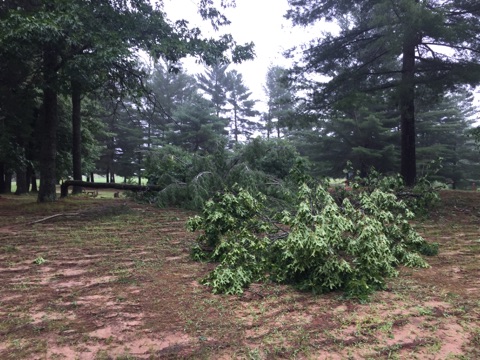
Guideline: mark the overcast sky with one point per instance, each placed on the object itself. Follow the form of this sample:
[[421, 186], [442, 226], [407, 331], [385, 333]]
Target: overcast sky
[[260, 21]]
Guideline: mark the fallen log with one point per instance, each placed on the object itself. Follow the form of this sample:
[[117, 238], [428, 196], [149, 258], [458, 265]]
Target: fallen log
[[117, 186]]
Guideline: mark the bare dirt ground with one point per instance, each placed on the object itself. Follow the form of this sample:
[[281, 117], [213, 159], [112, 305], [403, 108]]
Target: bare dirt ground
[[111, 279]]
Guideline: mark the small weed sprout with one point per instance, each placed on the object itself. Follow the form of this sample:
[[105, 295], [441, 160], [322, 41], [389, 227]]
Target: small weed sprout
[[39, 260]]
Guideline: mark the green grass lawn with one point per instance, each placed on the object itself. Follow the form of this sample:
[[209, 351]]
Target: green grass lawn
[[98, 178]]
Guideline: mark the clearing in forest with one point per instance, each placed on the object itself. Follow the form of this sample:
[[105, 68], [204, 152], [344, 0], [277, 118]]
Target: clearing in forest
[[112, 279]]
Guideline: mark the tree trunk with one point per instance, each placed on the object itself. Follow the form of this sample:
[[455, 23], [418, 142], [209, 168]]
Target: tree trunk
[[92, 177], [48, 150], [33, 179], [29, 175], [8, 182], [268, 123], [76, 135], [112, 162], [407, 111], [149, 134], [22, 184], [30, 170], [2, 179], [235, 122]]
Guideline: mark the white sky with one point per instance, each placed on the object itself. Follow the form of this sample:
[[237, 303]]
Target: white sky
[[260, 21]]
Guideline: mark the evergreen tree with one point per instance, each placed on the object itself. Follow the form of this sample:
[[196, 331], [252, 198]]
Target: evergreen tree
[[129, 144], [167, 91], [280, 101], [121, 139], [19, 112], [197, 128], [443, 132], [19, 109], [214, 83], [361, 131], [383, 44], [240, 107]]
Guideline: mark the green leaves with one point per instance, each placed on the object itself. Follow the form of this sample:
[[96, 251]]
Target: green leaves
[[321, 247], [226, 214]]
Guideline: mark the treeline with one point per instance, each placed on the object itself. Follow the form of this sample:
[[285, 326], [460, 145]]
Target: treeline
[[65, 65], [214, 113], [76, 99]]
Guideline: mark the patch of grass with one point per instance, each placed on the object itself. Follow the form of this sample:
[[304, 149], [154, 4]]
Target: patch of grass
[[424, 311], [20, 348], [8, 249], [434, 346], [22, 286], [126, 357]]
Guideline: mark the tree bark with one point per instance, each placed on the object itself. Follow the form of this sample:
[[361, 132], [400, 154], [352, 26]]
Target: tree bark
[[112, 162], [48, 149], [22, 184], [407, 111], [33, 180], [29, 175], [235, 124], [8, 183], [76, 134], [3, 187]]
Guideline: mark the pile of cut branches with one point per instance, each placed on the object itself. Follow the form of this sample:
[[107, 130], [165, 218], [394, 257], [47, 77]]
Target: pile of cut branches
[[321, 246]]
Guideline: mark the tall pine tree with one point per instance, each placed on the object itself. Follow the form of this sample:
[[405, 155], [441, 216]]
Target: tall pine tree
[[443, 132], [383, 44], [167, 91], [361, 131], [197, 128], [241, 107], [280, 101], [214, 84]]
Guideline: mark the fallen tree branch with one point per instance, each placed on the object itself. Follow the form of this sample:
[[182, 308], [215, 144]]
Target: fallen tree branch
[[404, 194], [51, 217], [94, 185]]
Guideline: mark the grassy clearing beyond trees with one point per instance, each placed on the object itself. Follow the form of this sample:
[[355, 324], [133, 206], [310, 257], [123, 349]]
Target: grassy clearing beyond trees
[[111, 279]]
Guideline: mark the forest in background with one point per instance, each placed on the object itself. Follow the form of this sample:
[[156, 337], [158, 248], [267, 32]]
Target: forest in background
[[72, 79]]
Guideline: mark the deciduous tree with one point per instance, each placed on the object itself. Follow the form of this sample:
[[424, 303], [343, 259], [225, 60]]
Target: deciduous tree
[[58, 33]]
